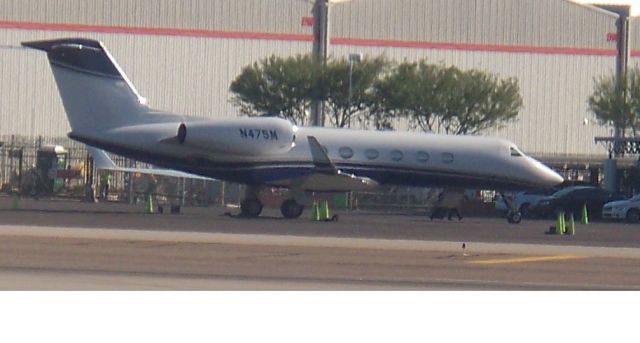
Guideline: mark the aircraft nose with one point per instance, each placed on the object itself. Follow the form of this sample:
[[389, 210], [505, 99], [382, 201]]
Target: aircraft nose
[[554, 178], [545, 175]]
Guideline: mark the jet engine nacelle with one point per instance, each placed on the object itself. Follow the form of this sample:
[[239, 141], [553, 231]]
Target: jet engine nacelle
[[248, 136]]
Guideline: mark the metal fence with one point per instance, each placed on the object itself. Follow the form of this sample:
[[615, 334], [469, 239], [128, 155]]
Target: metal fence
[[18, 174]]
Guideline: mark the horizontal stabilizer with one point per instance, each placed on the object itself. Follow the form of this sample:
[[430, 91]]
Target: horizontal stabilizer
[[104, 162], [101, 159]]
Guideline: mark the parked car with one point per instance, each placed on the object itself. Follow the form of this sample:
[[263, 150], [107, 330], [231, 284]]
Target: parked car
[[524, 201], [628, 209], [573, 199]]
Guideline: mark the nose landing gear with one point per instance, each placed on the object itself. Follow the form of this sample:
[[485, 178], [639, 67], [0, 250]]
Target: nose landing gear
[[514, 216]]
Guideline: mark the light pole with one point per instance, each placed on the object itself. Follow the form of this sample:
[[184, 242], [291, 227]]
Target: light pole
[[320, 47], [353, 58], [321, 37]]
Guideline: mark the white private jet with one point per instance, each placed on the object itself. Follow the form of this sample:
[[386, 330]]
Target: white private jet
[[105, 110]]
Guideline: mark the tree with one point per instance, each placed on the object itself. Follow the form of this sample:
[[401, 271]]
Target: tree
[[444, 98], [412, 90], [475, 101], [434, 97], [343, 105], [277, 86], [617, 105]]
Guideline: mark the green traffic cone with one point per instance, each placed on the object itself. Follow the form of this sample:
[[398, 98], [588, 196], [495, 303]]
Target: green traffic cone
[[315, 211], [150, 204], [560, 223], [585, 215], [572, 225], [325, 211]]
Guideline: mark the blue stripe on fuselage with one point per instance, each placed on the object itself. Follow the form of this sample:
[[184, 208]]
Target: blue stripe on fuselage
[[255, 173]]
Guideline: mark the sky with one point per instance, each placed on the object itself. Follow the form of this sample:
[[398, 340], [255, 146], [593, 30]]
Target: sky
[[635, 4]]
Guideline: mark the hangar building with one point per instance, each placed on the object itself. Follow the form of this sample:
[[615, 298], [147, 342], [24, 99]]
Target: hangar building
[[182, 56]]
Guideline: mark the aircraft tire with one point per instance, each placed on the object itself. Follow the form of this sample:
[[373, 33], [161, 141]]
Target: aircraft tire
[[514, 217], [250, 207], [291, 209]]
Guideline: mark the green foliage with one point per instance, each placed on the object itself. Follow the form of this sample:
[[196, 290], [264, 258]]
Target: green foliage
[[477, 101], [617, 105], [277, 86], [341, 104], [440, 98], [434, 97], [413, 90]]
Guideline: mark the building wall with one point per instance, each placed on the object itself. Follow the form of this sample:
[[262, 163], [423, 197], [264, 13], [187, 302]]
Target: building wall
[[183, 58], [550, 23]]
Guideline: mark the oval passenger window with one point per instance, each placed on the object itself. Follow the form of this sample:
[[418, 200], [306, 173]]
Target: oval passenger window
[[371, 154], [396, 155], [447, 157], [422, 156], [345, 152]]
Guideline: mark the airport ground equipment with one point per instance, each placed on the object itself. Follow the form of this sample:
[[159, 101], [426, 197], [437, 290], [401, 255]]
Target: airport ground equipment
[[50, 161]]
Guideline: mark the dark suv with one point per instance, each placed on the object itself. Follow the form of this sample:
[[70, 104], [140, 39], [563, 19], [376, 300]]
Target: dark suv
[[572, 199]]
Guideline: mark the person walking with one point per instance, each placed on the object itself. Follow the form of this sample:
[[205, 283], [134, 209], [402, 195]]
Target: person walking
[[105, 183], [448, 204]]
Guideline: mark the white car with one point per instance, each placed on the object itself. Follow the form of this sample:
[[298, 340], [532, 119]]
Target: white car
[[623, 209], [523, 202]]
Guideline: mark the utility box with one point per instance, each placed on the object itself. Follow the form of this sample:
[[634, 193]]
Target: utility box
[[49, 160]]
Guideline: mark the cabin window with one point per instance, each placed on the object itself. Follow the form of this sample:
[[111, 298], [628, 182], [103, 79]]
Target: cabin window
[[345, 152], [515, 152], [422, 156], [447, 157], [371, 154], [397, 155]]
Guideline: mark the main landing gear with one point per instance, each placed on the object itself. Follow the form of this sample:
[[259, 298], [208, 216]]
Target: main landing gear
[[251, 206], [291, 209]]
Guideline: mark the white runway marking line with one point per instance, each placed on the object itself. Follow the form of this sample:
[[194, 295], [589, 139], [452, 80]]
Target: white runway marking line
[[528, 259]]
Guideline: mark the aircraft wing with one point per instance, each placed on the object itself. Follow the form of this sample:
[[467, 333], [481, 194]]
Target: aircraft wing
[[327, 177], [104, 162]]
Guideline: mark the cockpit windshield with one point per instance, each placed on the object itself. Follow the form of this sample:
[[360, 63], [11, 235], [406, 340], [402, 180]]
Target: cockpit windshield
[[515, 152]]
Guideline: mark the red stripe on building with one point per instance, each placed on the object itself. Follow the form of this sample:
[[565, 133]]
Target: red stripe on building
[[475, 47], [159, 31], [156, 31]]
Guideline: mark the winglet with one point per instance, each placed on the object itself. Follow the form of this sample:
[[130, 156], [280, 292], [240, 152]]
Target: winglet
[[320, 158]]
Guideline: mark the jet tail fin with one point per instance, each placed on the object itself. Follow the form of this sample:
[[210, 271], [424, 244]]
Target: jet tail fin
[[96, 93]]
